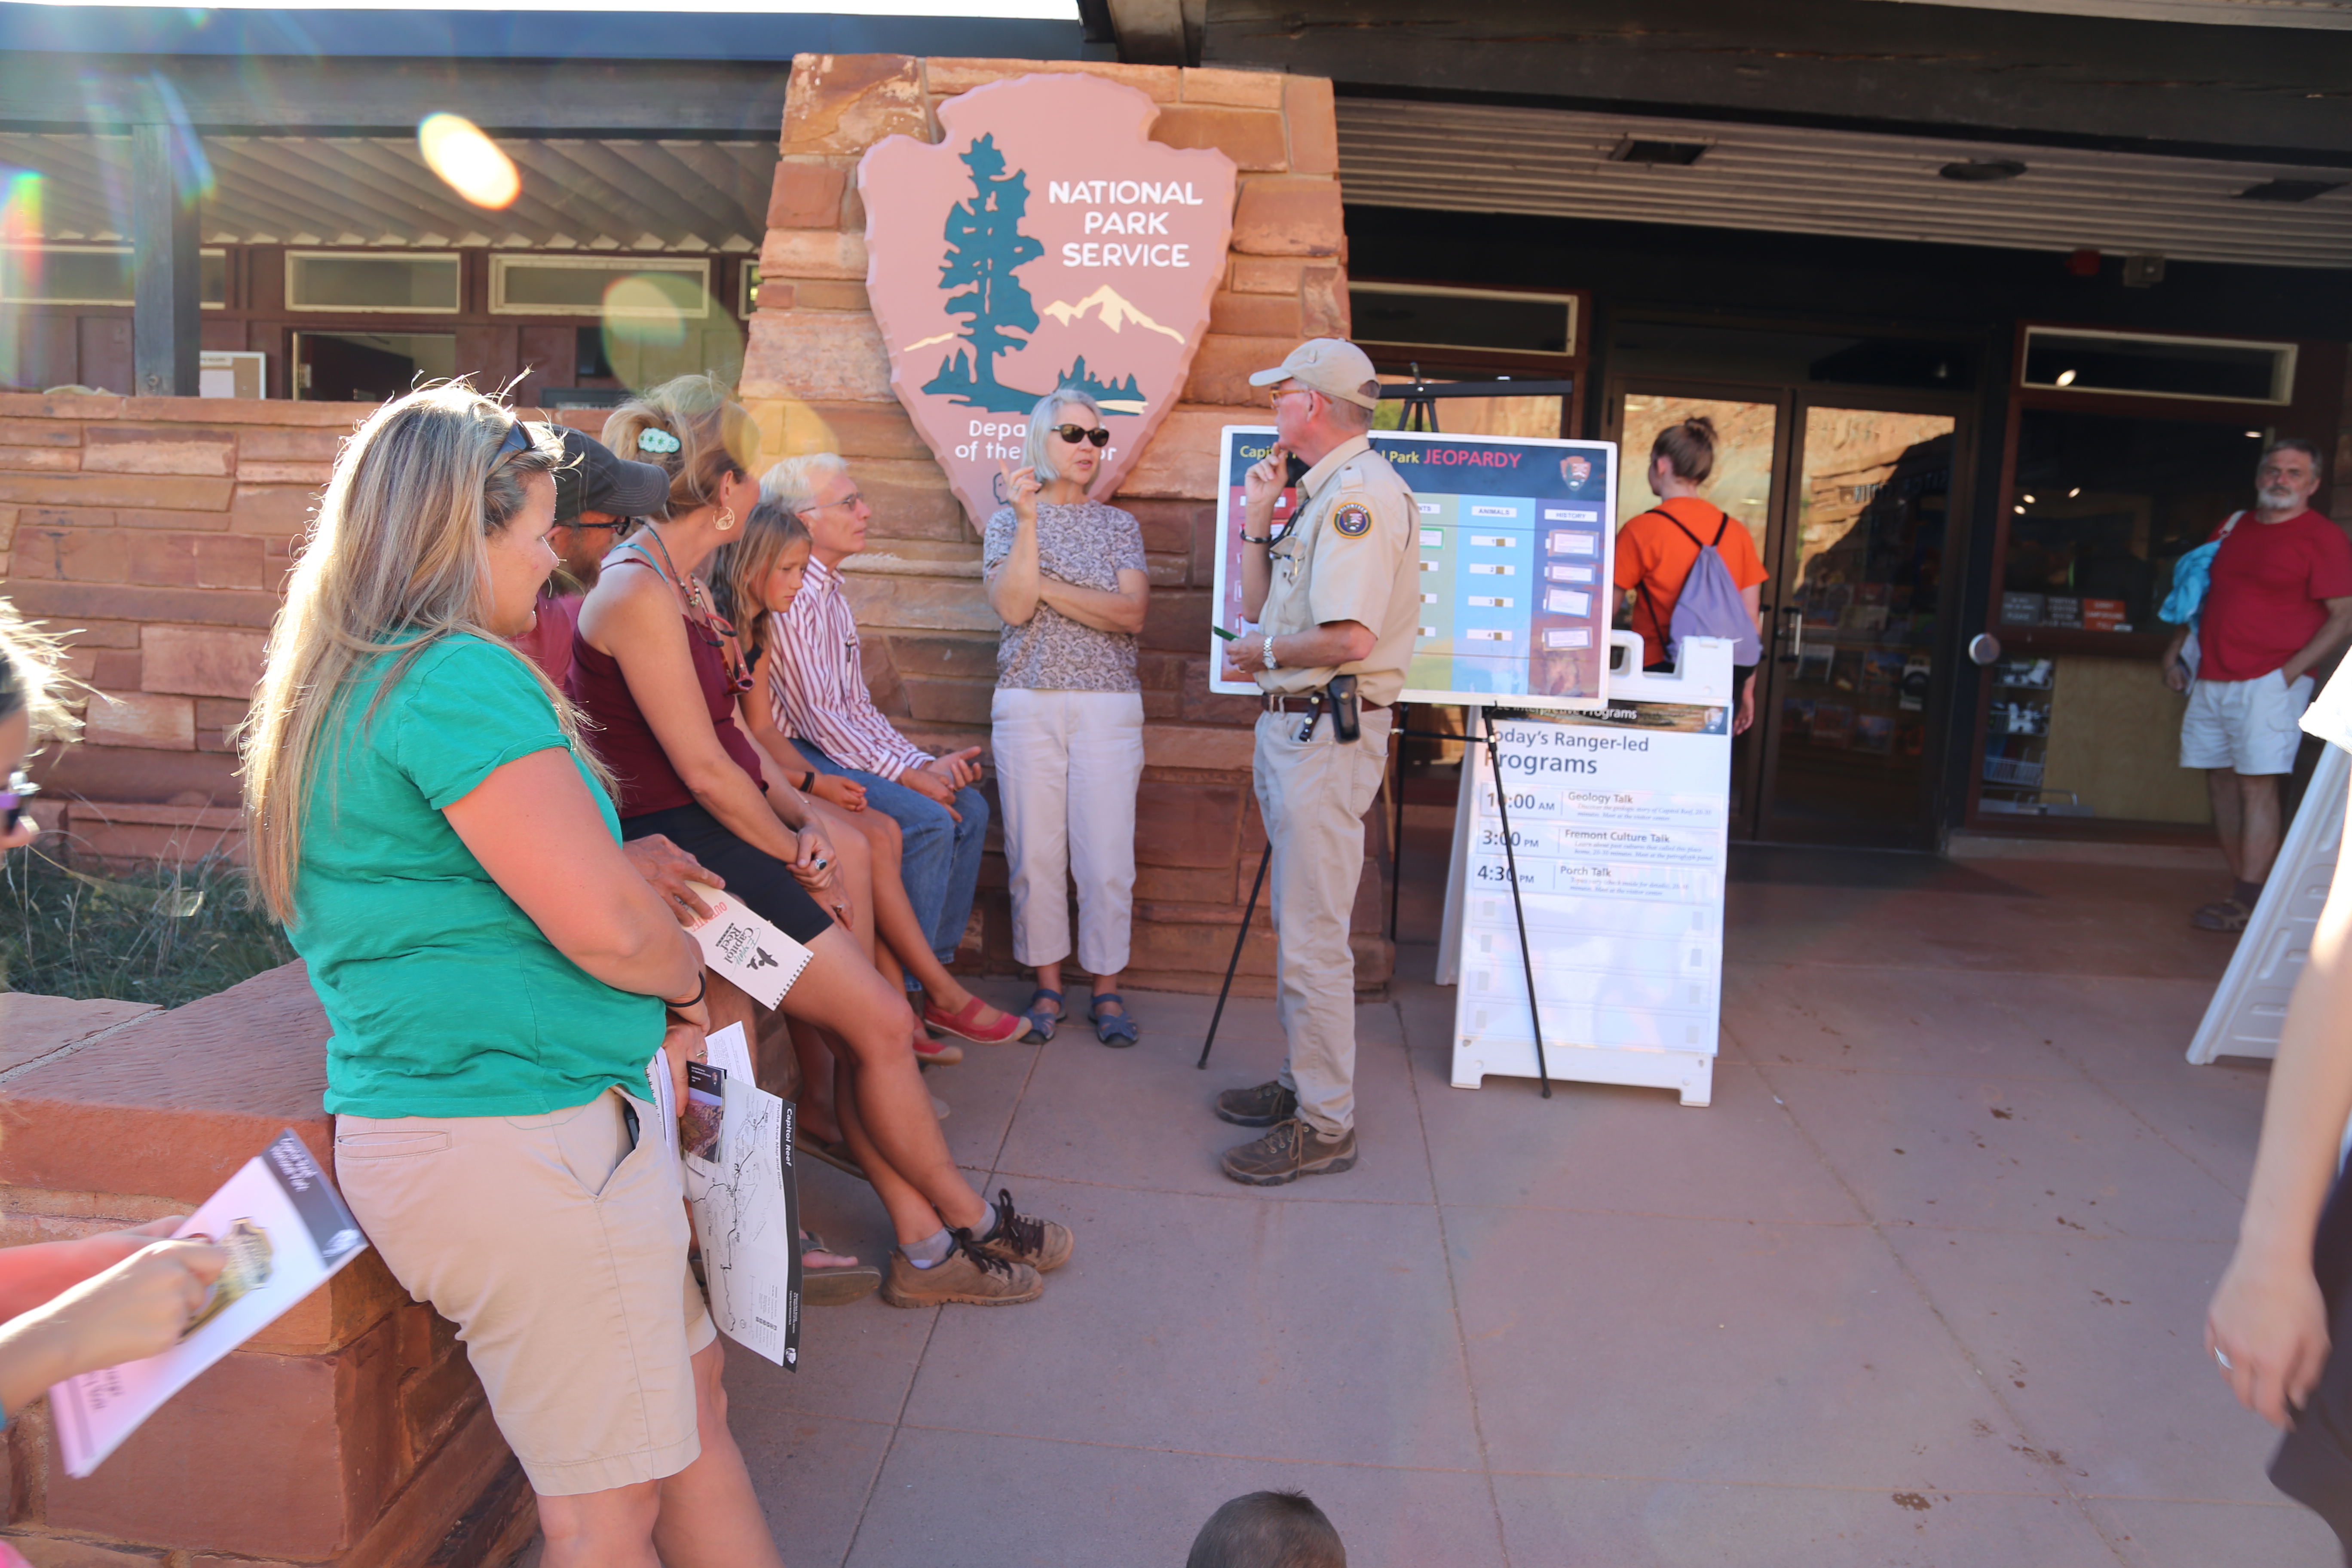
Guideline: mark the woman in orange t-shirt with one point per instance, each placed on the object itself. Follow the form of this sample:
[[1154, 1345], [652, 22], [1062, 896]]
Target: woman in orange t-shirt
[[1656, 551]]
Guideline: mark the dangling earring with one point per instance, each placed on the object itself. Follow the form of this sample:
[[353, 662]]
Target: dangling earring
[[726, 518]]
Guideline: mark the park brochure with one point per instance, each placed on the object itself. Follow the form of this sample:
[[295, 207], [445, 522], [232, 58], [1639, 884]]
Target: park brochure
[[286, 1232], [740, 1186]]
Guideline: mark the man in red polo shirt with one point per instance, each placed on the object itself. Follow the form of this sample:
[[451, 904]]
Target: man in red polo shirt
[[2279, 603]]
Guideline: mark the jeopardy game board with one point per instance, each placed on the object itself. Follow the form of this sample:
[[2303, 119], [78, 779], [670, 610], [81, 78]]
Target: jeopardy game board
[[1515, 550]]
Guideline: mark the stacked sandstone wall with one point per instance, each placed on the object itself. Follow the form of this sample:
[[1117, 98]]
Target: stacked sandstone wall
[[817, 370]]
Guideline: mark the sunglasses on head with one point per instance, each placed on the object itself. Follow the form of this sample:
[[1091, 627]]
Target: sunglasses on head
[[1074, 434], [518, 440], [11, 803]]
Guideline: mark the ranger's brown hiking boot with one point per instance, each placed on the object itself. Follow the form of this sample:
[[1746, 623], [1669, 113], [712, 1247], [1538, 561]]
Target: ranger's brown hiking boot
[[1292, 1150], [968, 1275], [1017, 1238], [1261, 1107]]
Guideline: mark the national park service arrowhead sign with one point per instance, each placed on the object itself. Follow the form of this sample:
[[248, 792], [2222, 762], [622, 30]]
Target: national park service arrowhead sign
[[1043, 242]]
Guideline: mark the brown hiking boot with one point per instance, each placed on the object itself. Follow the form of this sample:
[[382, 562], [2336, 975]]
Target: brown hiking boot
[[966, 1274], [1261, 1107], [1294, 1149], [1017, 1238]]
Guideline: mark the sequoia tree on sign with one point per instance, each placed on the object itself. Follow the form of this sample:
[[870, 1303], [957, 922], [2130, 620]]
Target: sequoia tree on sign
[[985, 246]]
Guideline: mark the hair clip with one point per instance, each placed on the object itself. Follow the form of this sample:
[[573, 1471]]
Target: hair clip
[[657, 441]]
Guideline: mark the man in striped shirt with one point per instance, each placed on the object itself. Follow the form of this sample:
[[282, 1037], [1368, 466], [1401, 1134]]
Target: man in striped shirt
[[817, 685]]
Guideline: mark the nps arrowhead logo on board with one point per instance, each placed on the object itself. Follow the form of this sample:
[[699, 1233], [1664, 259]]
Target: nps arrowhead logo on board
[[1043, 242]]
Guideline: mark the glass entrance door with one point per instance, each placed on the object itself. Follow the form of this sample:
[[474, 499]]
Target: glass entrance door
[[1854, 686], [1751, 427]]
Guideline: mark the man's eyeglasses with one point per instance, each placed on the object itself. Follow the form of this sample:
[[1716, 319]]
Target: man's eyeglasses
[[1074, 434], [1274, 399], [851, 499], [581, 522]]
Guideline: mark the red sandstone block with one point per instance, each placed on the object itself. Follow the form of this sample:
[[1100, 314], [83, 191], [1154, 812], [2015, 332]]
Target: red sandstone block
[[1158, 705], [273, 508], [846, 104], [40, 459], [918, 604], [312, 474], [823, 357], [1313, 125], [1182, 885], [1184, 825], [434, 1400], [179, 493], [340, 416], [72, 554], [197, 560], [76, 603], [171, 1105], [1167, 571], [40, 406], [140, 719], [1256, 315], [948, 702], [40, 432], [945, 656], [1324, 311], [265, 443], [858, 430], [1264, 275], [115, 669], [469, 1506], [1194, 747], [947, 76], [264, 1456], [1282, 215], [806, 194], [1245, 89], [1202, 706], [183, 522], [203, 661], [64, 1551], [819, 253], [1251, 138], [126, 449], [1159, 671], [102, 634], [31, 1026], [1223, 365], [1167, 525], [827, 294], [1177, 622]]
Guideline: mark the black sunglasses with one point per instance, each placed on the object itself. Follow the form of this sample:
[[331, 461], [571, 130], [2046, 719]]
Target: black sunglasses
[[518, 440], [1074, 434]]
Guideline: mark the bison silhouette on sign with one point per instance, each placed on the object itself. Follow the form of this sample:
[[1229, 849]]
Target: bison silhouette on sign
[[1045, 241]]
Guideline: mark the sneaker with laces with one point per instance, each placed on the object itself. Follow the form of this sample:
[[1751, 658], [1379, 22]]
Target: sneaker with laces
[[1261, 1107], [1017, 1238], [966, 1275], [1292, 1150]]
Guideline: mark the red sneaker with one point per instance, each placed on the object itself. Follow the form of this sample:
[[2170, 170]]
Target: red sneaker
[[966, 1023], [938, 1053]]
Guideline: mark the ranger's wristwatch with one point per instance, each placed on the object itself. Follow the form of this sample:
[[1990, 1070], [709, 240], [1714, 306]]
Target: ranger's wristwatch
[[1270, 661]]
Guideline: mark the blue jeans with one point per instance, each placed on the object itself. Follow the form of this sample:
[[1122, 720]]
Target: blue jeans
[[939, 857]]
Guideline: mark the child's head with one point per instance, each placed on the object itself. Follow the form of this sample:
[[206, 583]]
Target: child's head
[[1267, 1530], [759, 572]]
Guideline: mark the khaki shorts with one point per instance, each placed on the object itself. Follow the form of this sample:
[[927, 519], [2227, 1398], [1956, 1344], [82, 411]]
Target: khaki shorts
[[2248, 726], [560, 1253]]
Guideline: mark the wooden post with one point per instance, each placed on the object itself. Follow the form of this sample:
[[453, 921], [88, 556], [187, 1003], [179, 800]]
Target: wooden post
[[165, 299]]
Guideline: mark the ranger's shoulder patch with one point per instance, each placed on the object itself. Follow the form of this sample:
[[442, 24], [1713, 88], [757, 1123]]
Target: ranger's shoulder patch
[[1352, 520]]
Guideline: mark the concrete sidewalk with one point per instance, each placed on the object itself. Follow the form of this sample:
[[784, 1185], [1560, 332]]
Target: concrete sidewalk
[[1925, 1284]]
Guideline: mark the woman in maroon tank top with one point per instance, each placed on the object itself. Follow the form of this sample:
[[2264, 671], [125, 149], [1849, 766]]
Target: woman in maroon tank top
[[655, 671]]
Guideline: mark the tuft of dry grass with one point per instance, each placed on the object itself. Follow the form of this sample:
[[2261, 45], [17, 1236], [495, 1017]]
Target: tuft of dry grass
[[165, 932]]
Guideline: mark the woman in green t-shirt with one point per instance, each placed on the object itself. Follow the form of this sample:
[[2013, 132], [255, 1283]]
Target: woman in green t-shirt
[[443, 853]]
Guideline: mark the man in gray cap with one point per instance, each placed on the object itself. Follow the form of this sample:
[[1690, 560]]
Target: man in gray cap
[[597, 494], [1337, 600]]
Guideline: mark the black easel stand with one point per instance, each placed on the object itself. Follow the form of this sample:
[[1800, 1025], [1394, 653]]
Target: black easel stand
[[1236, 961], [1518, 910]]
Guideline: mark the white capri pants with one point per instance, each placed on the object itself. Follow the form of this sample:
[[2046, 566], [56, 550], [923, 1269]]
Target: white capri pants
[[1067, 763]]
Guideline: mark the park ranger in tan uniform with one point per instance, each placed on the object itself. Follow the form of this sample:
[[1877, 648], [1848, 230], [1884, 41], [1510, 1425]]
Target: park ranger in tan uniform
[[1338, 593]]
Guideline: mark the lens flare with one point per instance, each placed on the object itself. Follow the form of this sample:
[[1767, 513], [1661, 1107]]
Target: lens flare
[[468, 161]]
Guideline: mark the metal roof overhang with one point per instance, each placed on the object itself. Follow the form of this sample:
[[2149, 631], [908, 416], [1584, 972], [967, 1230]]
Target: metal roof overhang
[[1462, 157], [577, 194]]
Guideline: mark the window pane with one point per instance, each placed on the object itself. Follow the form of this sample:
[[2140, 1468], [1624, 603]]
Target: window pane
[[38, 275], [211, 279], [369, 367], [379, 282], [541, 286], [2159, 367], [1416, 317]]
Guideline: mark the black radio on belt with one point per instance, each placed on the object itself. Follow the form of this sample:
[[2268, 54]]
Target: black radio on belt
[[1345, 718]]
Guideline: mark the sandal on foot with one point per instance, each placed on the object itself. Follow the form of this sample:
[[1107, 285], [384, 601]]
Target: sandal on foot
[[2228, 915], [838, 1284], [1040, 1023], [1114, 1029], [965, 1021], [833, 1152]]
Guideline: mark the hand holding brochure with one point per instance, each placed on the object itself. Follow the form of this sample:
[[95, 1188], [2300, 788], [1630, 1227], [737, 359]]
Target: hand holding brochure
[[747, 949], [286, 1232]]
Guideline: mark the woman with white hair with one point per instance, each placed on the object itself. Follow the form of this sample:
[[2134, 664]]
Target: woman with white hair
[[1067, 575]]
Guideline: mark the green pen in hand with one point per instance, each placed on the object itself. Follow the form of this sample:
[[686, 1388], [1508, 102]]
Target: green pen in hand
[[1229, 637]]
